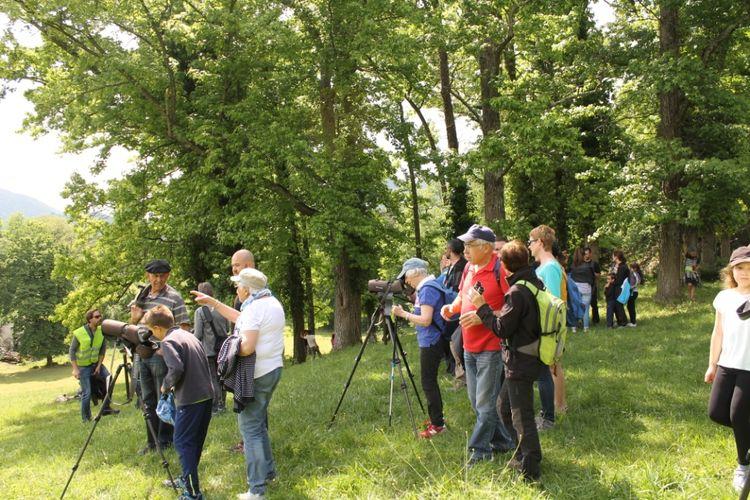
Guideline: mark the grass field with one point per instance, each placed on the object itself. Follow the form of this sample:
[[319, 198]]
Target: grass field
[[636, 428]]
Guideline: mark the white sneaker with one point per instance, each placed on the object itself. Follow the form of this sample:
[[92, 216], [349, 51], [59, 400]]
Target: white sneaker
[[739, 477], [631, 325], [250, 496], [574, 329], [585, 330]]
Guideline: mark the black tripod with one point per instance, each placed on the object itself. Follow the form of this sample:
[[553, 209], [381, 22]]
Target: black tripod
[[383, 314], [128, 392], [105, 404]]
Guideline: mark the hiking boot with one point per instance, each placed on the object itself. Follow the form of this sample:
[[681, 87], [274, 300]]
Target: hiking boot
[[738, 482], [432, 431], [474, 460], [543, 424], [110, 411]]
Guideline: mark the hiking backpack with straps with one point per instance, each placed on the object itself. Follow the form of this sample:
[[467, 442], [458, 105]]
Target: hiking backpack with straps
[[575, 306], [552, 313]]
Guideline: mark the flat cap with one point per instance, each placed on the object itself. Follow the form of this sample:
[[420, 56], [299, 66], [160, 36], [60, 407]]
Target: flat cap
[[158, 266]]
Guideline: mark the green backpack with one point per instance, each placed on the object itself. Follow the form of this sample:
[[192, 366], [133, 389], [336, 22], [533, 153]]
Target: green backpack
[[552, 322]]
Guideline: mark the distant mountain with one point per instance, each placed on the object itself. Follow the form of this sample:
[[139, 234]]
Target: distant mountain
[[11, 203]]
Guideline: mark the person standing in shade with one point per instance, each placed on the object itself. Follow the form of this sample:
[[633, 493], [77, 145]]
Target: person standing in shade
[[151, 366], [584, 278], [87, 355], [729, 359], [597, 271]]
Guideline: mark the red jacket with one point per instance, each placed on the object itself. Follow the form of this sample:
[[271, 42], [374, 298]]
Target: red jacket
[[479, 338]]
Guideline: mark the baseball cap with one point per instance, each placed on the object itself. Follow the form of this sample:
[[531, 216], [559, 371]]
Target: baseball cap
[[413, 263], [477, 232]]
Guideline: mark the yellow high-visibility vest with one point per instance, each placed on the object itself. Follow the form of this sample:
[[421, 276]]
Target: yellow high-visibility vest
[[88, 351]]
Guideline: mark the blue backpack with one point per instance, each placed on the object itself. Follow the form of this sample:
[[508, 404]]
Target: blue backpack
[[576, 308], [449, 295]]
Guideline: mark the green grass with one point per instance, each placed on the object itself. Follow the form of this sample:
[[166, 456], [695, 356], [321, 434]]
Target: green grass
[[636, 428]]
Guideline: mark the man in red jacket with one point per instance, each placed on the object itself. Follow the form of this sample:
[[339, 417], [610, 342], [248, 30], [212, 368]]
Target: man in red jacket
[[484, 365]]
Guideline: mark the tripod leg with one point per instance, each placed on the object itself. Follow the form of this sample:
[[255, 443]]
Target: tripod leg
[[159, 449], [397, 341], [105, 404], [395, 361], [356, 363]]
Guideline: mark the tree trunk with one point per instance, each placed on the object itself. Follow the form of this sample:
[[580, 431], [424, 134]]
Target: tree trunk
[[709, 265], [671, 114], [347, 306], [410, 164], [49, 361], [726, 248], [494, 186], [668, 286], [309, 291], [691, 239], [459, 195], [295, 290]]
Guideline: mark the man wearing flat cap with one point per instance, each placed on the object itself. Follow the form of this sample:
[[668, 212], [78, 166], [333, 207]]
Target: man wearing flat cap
[[482, 351], [151, 366]]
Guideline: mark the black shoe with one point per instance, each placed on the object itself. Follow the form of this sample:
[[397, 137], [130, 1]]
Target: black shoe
[[110, 411]]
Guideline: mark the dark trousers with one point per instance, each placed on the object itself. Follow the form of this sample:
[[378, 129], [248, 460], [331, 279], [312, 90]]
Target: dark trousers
[[631, 306], [615, 311], [151, 373], [429, 359], [450, 361], [190, 429], [515, 404], [594, 306], [729, 405]]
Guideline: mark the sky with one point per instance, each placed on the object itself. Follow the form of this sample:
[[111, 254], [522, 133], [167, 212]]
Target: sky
[[38, 168]]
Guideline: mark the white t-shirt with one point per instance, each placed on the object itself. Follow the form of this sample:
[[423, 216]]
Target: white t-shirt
[[735, 345], [265, 315]]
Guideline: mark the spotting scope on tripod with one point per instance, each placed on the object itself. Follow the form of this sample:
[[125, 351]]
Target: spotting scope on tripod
[[131, 337], [382, 315]]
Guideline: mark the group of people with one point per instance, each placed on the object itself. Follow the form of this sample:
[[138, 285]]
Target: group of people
[[187, 363], [493, 328], [490, 330]]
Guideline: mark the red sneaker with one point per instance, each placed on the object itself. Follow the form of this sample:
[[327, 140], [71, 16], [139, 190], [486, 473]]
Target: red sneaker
[[432, 431]]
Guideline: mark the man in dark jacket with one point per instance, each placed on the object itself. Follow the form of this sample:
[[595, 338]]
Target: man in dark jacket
[[518, 326]]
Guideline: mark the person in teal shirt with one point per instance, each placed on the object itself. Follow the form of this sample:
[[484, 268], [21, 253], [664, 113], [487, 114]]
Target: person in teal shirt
[[551, 382]]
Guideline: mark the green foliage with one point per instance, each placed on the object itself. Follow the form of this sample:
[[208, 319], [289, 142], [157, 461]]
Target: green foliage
[[28, 289]]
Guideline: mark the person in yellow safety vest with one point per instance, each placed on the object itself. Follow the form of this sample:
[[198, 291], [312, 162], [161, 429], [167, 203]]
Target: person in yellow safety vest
[[86, 355]]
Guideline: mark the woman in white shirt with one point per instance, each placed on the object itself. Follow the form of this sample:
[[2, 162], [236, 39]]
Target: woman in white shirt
[[729, 360], [261, 328]]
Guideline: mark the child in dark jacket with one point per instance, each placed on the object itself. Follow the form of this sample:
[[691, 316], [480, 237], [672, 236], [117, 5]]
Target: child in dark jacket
[[189, 375], [610, 294]]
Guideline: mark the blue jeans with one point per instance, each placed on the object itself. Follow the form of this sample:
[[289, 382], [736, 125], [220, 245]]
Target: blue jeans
[[547, 394], [252, 423], [84, 378], [483, 377], [151, 372], [586, 298]]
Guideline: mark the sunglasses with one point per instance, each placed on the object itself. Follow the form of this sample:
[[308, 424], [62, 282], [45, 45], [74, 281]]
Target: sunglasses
[[533, 240]]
